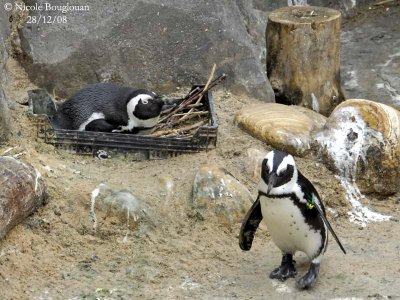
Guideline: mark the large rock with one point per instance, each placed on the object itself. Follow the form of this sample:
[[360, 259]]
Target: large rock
[[253, 163], [287, 128], [218, 193], [361, 141], [154, 44], [22, 191], [5, 118], [145, 44], [370, 57], [111, 207]]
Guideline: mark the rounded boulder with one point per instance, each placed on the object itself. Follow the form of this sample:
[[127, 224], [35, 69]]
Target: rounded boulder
[[216, 192], [361, 141], [286, 128]]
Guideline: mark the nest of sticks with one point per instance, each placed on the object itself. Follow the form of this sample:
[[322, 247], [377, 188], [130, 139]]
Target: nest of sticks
[[191, 113]]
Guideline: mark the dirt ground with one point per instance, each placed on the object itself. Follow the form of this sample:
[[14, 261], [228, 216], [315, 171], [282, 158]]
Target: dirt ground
[[55, 254], [172, 254]]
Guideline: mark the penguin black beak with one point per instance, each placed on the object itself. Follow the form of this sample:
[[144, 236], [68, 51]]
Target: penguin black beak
[[159, 100], [169, 102], [271, 181]]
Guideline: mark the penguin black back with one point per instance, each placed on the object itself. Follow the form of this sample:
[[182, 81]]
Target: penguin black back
[[109, 102]]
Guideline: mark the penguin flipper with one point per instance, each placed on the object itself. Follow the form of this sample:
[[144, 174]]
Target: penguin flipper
[[325, 220], [249, 226]]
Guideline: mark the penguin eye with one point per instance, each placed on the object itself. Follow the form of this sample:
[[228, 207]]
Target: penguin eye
[[145, 101], [267, 167], [281, 172]]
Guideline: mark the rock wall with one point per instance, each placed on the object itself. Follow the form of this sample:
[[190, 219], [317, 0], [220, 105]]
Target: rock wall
[[145, 44], [4, 111], [371, 58], [152, 44]]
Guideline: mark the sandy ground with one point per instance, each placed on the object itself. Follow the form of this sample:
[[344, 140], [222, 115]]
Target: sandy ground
[[55, 253]]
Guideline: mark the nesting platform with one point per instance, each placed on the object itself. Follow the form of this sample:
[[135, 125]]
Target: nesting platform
[[139, 147]]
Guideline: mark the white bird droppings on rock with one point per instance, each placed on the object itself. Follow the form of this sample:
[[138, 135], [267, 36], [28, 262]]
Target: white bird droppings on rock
[[358, 143]]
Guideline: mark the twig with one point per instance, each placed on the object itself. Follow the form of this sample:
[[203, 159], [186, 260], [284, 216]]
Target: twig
[[383, 2], [208, 82], [186, 110], [166, 111], [179, 130], [194, 113], [191, 116], [202, 93], [7, 150], [191, 97], [194, 105]]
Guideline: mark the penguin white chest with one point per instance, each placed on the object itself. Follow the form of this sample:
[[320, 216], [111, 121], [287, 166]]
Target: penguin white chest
[[288, 228]]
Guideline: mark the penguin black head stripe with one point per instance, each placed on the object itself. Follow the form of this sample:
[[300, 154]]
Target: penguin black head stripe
[[295, 217], [110, 108], [278, 169]]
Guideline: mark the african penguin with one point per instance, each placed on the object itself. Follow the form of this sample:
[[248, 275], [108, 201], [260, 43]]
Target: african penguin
[[294, 214], [109, 108]]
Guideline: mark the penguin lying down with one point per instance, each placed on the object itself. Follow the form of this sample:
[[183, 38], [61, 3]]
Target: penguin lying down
[[294, 214], [109, 108]]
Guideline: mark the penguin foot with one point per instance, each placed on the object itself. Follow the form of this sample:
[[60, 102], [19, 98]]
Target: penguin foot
[[286, 270], [309, 280]]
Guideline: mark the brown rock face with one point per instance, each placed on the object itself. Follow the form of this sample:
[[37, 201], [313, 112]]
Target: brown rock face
[[286, 128], [22, 191], [361, 140]]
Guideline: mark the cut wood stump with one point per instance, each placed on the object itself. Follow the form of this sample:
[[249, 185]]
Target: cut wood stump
[[22, 191], [303, 65]]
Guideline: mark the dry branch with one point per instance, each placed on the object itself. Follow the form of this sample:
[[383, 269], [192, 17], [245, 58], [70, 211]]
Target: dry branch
[[383, 2], [181, 129], [189, 109]]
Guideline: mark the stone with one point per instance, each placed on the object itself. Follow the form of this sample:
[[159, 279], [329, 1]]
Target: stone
[[360, 141], [114, 210], [286, 128], [22, 191], [370, 56], [5, 118], [149, 35], [40, 102], [217, 193], [253, 162], [145, 44]]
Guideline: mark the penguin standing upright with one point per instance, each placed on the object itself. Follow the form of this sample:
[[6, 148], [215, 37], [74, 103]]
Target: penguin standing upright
[[109, 108], [295, 217]]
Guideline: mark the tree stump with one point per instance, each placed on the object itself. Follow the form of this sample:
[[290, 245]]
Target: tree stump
[[303, 65]]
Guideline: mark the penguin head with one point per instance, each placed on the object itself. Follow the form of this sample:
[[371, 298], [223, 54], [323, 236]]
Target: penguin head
[[145, 105], [278, 174]]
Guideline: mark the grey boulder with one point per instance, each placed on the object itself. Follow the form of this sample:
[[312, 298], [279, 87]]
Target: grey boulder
[[217, 193], [145, 44]]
